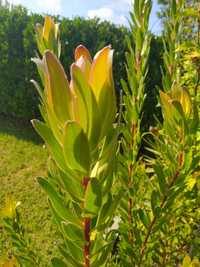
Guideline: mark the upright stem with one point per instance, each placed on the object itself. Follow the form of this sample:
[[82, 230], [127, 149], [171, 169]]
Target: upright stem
[[198, 68], [86, 226], [87, 222], [130, 207], [130, 201]]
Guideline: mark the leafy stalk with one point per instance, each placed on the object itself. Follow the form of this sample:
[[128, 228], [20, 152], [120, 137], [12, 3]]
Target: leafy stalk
[[171, 157], [78, 131], [134, 97]]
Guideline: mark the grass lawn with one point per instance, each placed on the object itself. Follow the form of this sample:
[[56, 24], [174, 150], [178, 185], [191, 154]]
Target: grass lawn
[[22, 159]]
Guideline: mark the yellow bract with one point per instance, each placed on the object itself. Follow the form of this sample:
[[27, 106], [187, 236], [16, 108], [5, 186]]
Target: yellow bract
[[182, 95], [99, 77], [82, 51], [47, 36], [174, 103], [89, 98], [101, 71], [57, 87], [48, 28]]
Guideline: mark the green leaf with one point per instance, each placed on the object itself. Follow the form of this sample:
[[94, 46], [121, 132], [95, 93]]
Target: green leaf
[[76, 148], [53, 123], [195, 121], [173, 195], [58, 92], [155, 202], [57, 202], [82, 87], [116, 200], [161, 178], [107, 109], [93, 197], [73, 262], [47, 135], [103, 255], [143, 217], [73, 186], [173, 7], [56, 262], [104, 212], [137, 234], [75, 250], [73, 232], [111, 209]]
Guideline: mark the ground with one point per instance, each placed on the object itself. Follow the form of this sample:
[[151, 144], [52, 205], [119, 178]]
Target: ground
[[23, 157]]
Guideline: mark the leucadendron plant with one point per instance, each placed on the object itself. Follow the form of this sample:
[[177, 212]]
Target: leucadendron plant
[[131, 169], [79, 134], [161, 184], [176, 162]]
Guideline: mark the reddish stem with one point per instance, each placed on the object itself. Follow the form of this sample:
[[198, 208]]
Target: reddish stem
[[86, 226], [87, 222], [85, 182]]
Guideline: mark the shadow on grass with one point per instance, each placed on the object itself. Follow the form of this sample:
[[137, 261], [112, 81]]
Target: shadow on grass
[[21, 129]]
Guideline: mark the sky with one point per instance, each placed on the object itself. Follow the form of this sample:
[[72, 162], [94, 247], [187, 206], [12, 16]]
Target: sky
[[116, 11]]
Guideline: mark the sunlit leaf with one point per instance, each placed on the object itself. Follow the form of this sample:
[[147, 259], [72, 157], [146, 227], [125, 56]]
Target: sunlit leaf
[[76, 148], [57, 202], [93, 197], [90, 106], [58, 91]]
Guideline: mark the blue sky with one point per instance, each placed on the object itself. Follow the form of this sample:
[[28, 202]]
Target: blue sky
[[112, 10]]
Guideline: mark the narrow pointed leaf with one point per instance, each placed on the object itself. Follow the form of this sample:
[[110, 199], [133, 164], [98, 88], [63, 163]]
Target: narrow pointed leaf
[[76, 148], [57, 202], [73, 232], [93, 197], [101, 71], [94, 122], [59, 95], [143, 217], [52, 143]]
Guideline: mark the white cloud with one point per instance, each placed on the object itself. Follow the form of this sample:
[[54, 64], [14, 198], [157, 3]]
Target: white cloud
[[103, 13], [106, 13], [14, 2], [115, 11], [52, 6]]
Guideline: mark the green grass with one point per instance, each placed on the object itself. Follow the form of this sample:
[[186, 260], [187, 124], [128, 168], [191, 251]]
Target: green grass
[[22, 159]]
